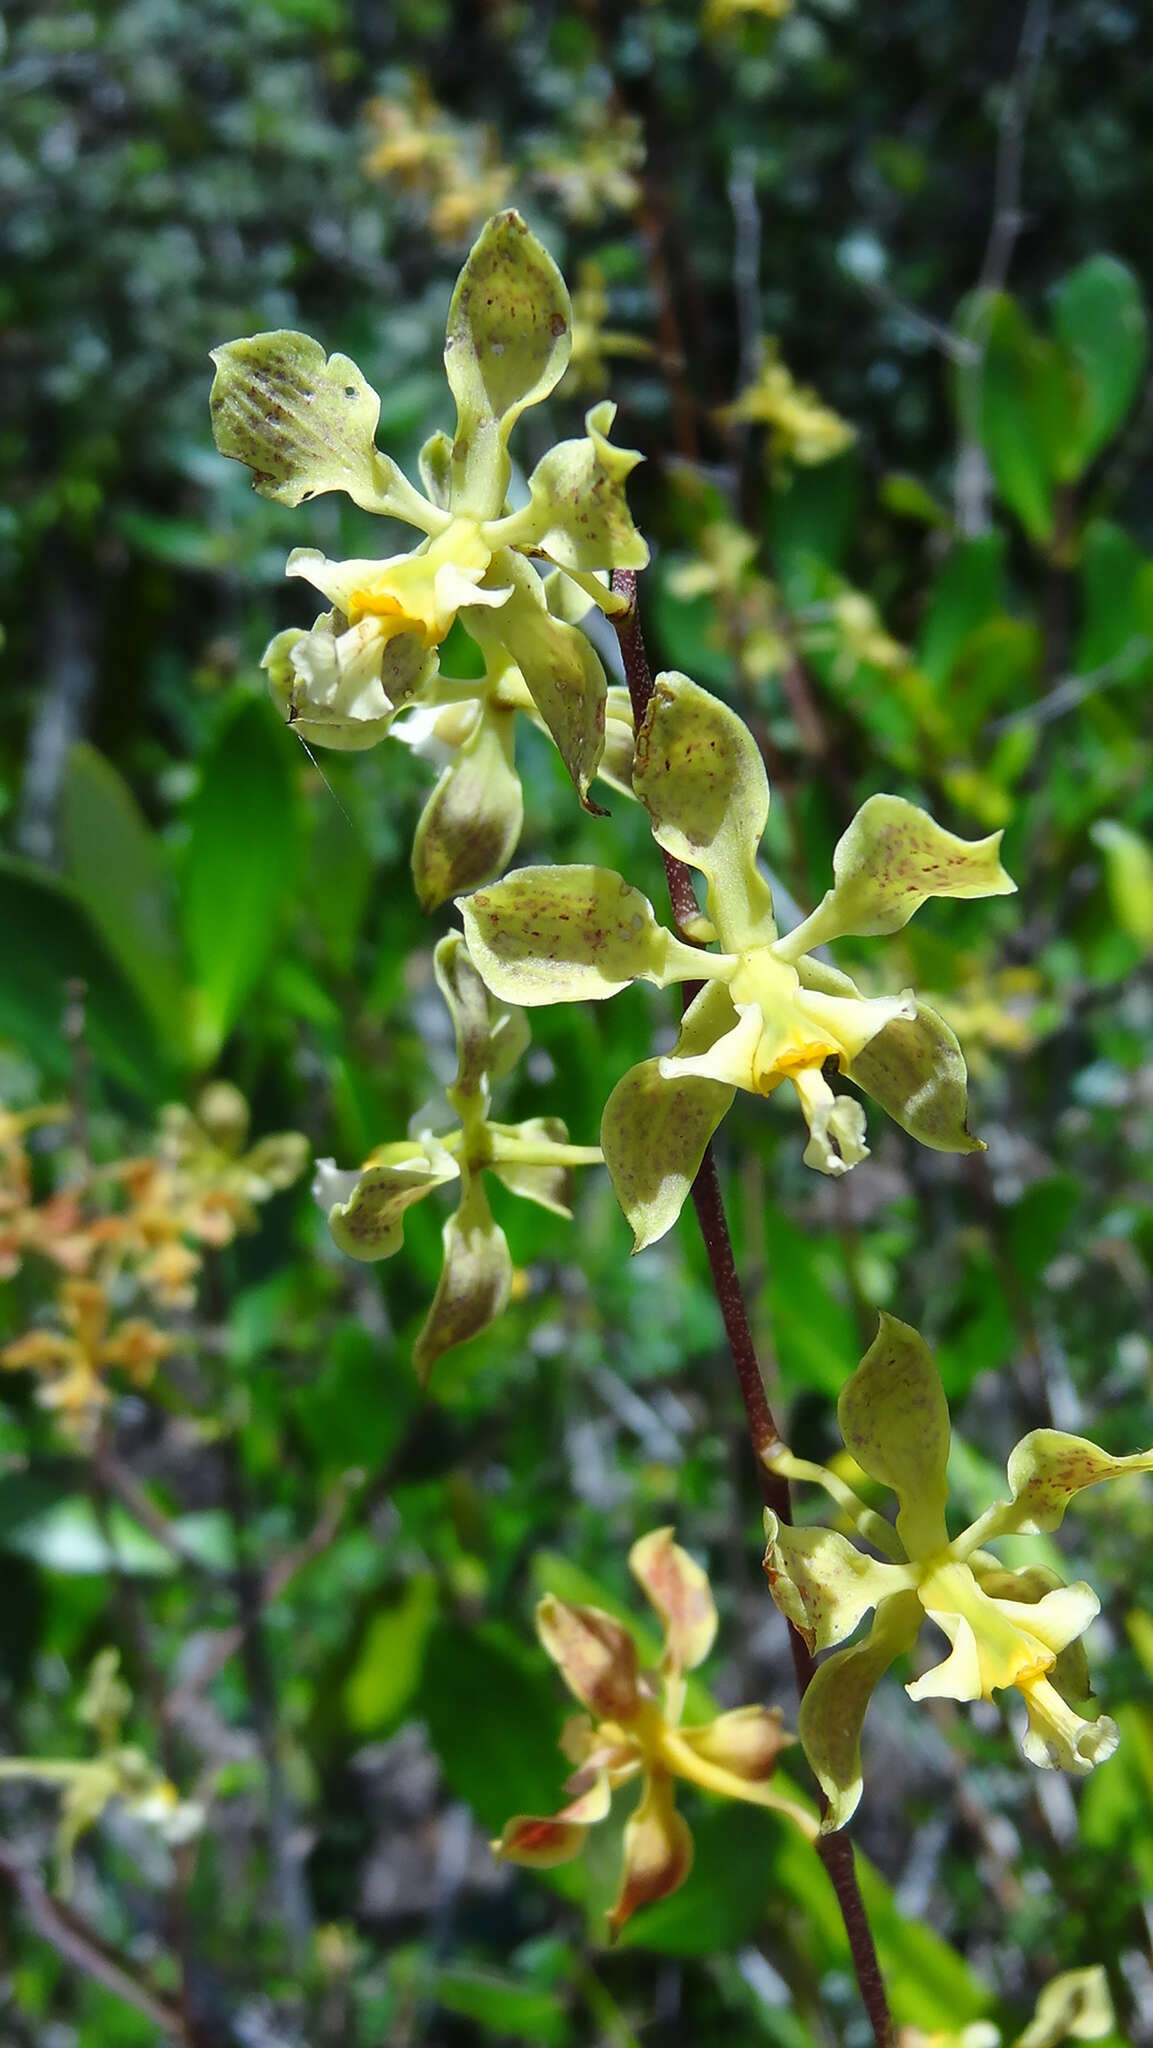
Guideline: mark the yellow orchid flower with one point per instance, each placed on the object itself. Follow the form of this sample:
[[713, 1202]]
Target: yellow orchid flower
[[1006, 1629], [769, 1010], [631, 1730]]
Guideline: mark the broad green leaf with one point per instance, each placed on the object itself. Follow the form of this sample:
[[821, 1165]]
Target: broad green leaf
[[391, 1657], [967, 593], [1107, 571], [502, 2006], [48, 945], [1099, 315], [501, 1756], [1028, 417], [815, 514], [239, 868], [117, 868]]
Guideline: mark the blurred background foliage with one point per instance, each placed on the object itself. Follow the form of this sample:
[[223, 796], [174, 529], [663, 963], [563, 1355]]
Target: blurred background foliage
[[866, 285]]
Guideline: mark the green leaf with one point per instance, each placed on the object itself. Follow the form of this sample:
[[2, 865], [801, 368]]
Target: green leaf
[[46, 943], [967, 593], [494, 1714], [239, 868], [1109, 566], [388, 1668], [1099, 315], [1028, 418], [117, 868], [725, 1900], [815, 515], [517, 2012]]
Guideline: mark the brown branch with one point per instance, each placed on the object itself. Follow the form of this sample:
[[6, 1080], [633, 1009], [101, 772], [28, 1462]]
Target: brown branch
[[835, 1850], [80, 1945]]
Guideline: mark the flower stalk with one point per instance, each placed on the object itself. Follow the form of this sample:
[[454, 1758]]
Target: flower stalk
[[835, 1850]]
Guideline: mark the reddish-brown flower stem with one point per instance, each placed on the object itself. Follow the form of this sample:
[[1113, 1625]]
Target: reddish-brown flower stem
[[836, 1850]]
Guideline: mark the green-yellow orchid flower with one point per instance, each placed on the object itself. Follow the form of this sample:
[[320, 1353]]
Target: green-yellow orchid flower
[[769, 1011], [305, 424], [119, 1771], [1006, 1628], [631, 1730], [366, 1206]]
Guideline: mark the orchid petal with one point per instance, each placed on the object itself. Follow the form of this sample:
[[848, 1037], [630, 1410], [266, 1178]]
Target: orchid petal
[[892, 858], [895, 1421], [577, 514], [595, 1655], [700, 776], [679, 1590], [1048, 1467], [834, 1707], [654, 1135], [474, 1285], [366, 1208], [658, 1851], [304, 424], [822, 1583], [470, 826], [507, 344], [569, 934], [561, 668], [915, 1069], [542, 1843]]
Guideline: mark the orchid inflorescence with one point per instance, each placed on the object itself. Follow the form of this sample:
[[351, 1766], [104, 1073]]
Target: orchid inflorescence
[[768, 1007]]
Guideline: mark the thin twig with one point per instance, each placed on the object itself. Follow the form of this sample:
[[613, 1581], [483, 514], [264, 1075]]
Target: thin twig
[[81, 1946], [971, 492], [835, 1850]]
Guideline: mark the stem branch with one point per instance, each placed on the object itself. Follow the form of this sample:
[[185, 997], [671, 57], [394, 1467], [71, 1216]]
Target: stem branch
[[836, 1850]]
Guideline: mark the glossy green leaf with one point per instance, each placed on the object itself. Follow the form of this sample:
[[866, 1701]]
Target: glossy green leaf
[[1099, 315], [47, 944], [118, 869], [239, 869]]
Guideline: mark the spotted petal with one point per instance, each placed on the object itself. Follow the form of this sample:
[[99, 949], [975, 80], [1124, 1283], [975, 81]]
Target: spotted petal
[[304, 424], [744, 1743], [471, 824], [595, 1655], [679, 1590], [895, 1421], [1047, 1468], [561, 668], [892, 858], [834, 1707], [577, 514], [822, 1583], [700, 776], [366, 1207], [475, 1281], [542, 1843], [658, 1851], [563, 935], [915, 1069], [507, 344]]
